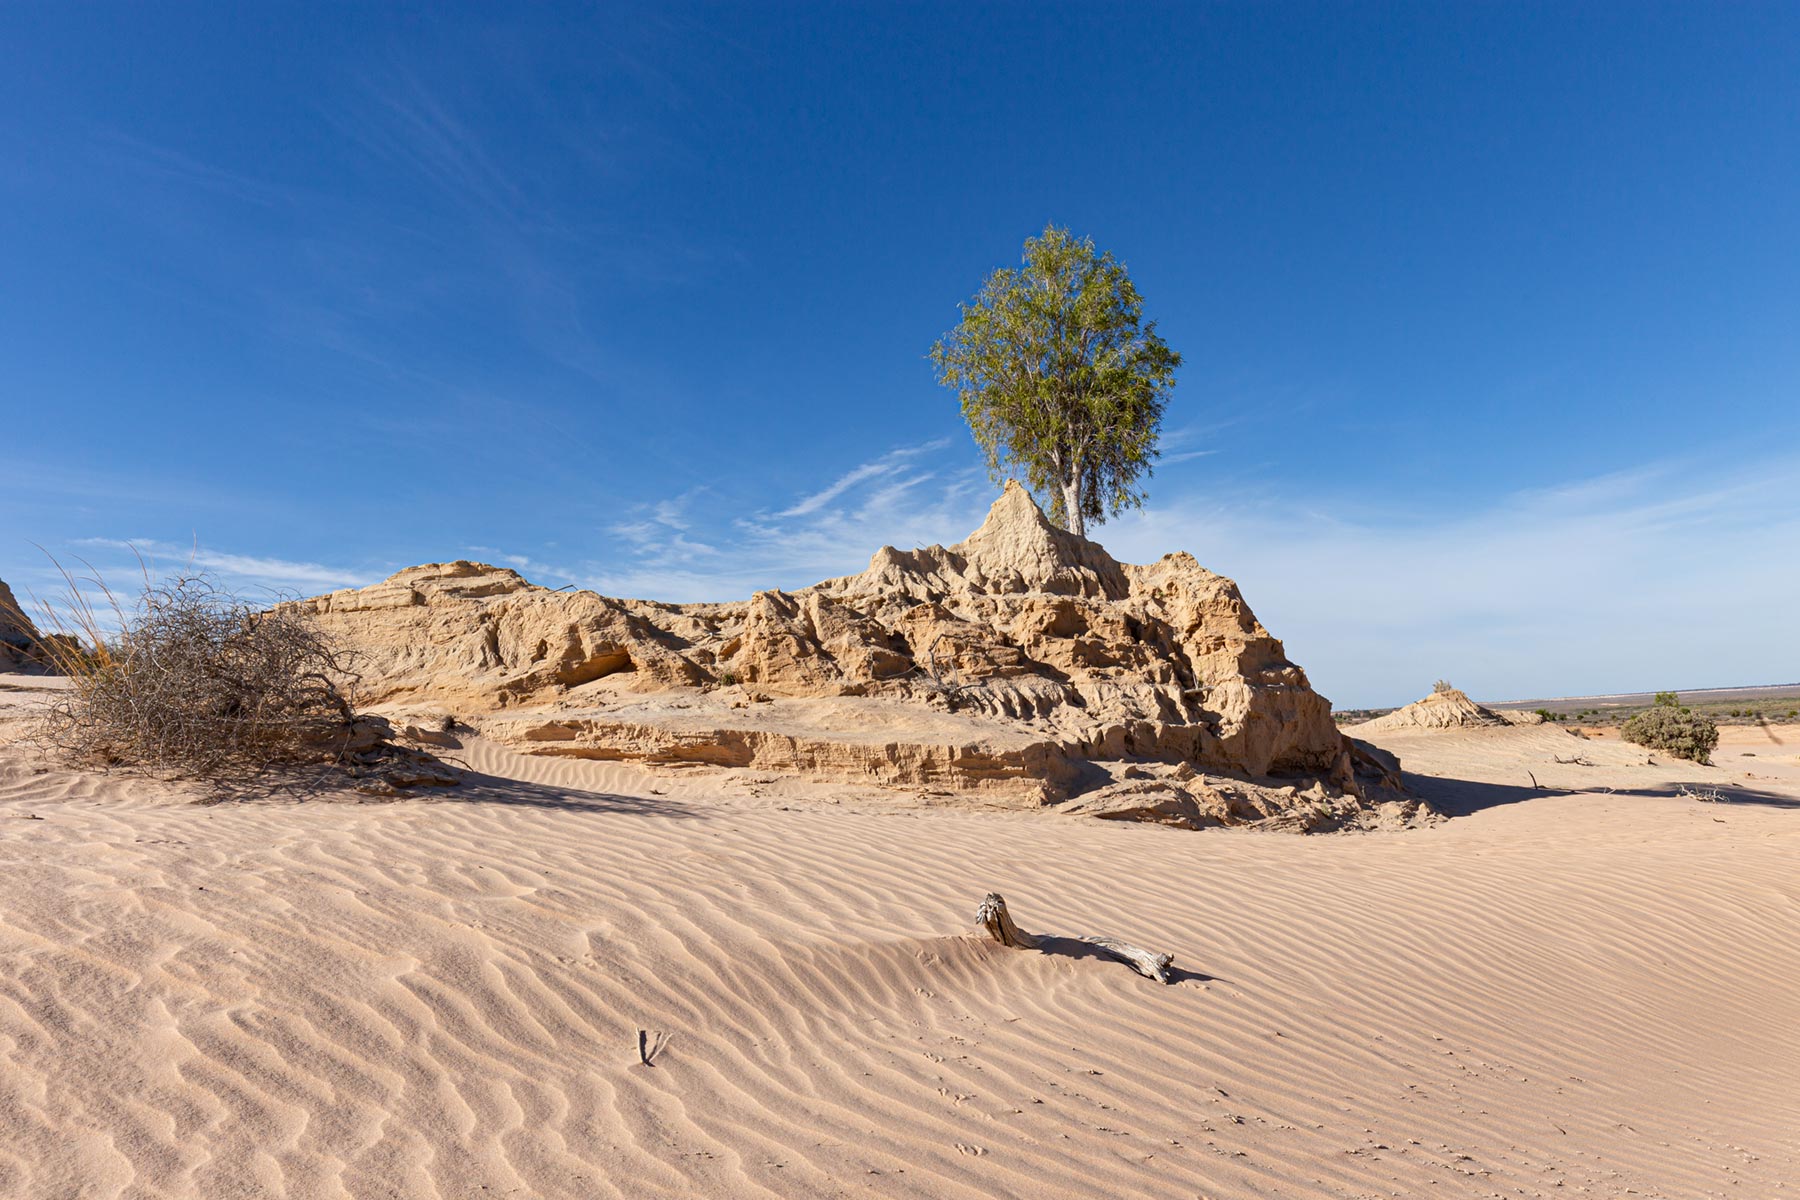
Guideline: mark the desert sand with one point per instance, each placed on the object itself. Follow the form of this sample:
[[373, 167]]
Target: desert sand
[[1550, 992]]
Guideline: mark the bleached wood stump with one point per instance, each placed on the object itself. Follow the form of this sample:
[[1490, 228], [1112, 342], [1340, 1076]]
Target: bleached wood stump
[[993, 917]]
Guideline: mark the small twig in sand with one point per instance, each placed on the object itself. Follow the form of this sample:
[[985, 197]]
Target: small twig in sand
[[650, 1045], [1710, 795], [1577, 761]]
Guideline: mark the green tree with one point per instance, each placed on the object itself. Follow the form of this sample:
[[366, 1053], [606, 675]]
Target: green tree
[[1062, 378]]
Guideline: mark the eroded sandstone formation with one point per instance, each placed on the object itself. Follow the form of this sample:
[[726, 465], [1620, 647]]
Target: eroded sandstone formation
[[18, 635], [1445, 708], [1024, 660]]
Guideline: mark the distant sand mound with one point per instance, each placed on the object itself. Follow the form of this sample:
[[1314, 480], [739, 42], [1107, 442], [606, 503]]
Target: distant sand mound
[[1445, 708], [1011, 662]]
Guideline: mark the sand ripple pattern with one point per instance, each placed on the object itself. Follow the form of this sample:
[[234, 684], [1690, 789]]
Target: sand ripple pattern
[[440, 998]]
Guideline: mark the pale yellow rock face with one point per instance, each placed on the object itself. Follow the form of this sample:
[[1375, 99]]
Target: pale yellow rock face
[[486, 639], [1023, 631], [17, 633]]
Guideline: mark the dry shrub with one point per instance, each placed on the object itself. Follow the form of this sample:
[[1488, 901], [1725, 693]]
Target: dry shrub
[[190, 680]]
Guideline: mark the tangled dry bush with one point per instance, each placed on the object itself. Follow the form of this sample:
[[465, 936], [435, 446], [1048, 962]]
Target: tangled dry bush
[[193, 681], [1682, 733]]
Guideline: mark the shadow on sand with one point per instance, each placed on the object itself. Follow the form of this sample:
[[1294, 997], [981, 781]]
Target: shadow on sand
[[332, 786], [1464, 797], [1068, 947], [477, 788]]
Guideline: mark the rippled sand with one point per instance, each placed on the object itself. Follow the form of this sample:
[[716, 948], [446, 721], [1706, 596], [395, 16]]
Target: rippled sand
[[442, 997]]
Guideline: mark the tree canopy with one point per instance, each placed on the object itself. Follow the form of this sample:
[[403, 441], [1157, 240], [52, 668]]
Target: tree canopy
[[1061, 378]]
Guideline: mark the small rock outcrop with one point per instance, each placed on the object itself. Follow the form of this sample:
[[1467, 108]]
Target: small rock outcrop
[[1012, 660], [19, 640]]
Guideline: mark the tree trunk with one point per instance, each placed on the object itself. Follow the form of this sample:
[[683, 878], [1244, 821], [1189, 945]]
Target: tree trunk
[[1072, 518]]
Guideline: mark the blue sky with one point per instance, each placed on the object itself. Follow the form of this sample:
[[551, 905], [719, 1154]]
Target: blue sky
[[1490, 312]]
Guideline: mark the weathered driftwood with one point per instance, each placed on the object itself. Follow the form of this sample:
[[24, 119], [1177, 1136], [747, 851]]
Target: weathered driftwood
[[993, 917]]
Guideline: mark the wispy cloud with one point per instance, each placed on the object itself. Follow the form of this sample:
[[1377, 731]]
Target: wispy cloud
[[236, 569], [903, 497], [421, 133], [887, 464], [672, 512], [662, 530], [167, 163], [838, 487], [1179, 445], [654, 537]]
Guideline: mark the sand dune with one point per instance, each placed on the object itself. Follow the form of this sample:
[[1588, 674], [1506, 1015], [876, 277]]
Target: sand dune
[[1556, 994]]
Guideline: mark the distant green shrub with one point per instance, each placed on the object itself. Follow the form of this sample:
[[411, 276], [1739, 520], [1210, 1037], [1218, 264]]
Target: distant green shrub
[[1681, 733], [1667, 700]]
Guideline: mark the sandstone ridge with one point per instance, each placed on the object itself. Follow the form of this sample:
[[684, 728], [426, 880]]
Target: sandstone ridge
[[1023, 662]]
